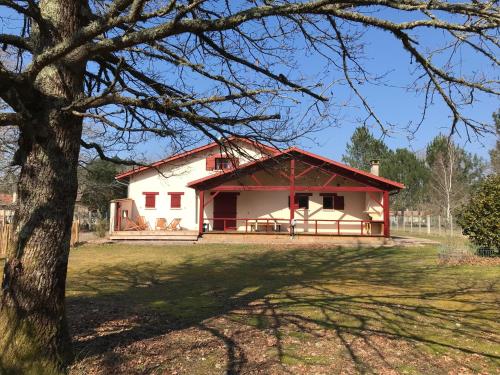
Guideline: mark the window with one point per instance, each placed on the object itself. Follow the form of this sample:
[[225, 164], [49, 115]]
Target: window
[[338, 202], [301, 201], [150, 201], [175, 200], [332, 201], [328, 202], [222, 163]]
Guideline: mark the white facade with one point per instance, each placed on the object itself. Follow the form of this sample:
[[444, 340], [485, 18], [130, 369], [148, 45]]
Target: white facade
[[174, 177]]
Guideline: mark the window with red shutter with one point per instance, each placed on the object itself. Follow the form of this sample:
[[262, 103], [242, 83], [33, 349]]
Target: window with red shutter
[[210, 163], [150, 199], [175, 200]]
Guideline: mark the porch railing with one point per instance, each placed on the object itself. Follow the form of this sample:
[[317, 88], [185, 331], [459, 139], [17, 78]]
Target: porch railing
[[278, 225]]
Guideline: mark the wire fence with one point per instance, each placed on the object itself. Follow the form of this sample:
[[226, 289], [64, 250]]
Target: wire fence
[[424, 224]]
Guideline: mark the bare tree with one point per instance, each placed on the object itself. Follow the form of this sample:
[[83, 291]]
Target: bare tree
[[445, 184], [185, 70]]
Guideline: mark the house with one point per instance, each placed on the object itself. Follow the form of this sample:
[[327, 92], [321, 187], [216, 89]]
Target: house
[[7, 207], [248, 187]]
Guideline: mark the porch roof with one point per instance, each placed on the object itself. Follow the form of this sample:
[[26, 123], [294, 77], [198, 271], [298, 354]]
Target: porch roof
[[341, 169]]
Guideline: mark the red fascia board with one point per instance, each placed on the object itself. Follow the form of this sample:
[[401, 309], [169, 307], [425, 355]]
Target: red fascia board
[[190, 152], [175, 193], [150, 193], [300, 151], [300, 189]]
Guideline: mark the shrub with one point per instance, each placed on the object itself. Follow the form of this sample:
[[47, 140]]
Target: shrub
[[480, 217], [101, 227]]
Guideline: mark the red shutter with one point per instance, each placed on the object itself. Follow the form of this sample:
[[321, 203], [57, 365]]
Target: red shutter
[[338, 202], [235, 162], [210, 163], [175, 200], [150, 199]]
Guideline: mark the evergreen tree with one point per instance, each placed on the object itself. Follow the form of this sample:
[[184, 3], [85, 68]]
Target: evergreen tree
[[404, 166], [365, 147], [98, 185], [480, 216], [495, 153]]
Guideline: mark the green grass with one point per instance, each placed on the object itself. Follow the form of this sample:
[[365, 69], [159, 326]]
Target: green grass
[[324, 308]]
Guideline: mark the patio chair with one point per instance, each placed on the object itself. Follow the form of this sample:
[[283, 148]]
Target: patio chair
[[130, 224], [174, 224], [142, 223], [161, 224]]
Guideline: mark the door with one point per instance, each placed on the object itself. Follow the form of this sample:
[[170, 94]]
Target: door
[[225, 207], [118, 217]]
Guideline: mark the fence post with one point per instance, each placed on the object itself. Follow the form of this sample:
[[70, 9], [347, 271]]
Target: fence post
[[419, 221], [428, 224], [439, 224], [411, 221], [75, 233], [451, 225]]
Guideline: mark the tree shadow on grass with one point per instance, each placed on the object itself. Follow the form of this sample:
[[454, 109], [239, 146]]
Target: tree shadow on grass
[[353, 293]]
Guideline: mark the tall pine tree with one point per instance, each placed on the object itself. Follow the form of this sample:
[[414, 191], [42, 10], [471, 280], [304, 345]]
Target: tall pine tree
[[365, 147]]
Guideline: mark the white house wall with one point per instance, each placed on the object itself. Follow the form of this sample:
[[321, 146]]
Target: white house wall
[[274, 205], [174, 177]]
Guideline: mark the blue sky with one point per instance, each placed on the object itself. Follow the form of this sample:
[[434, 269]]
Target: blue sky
[[392, 104], [399, 107]]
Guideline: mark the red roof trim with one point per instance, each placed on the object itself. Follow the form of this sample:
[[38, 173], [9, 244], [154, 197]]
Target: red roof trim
[[310, 154], [191, 152]]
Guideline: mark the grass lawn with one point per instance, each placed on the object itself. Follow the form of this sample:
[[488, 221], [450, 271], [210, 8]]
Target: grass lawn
[[214, 309], [253, 309]]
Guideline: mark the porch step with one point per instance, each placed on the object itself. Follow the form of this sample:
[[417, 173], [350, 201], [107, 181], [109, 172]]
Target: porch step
[[155, 235]]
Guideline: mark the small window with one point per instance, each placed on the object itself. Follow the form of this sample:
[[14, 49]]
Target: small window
[[301, 201], [328, 202], [150, 200], [338, 202], [222, 163], [175, 200]]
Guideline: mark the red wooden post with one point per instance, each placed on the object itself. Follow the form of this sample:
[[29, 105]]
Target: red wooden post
[[361, 227], [316, 227], [338, 227], [202, 207], [292, 189], [387, 229]]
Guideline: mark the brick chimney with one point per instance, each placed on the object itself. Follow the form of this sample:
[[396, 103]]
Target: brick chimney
[[375, 167]]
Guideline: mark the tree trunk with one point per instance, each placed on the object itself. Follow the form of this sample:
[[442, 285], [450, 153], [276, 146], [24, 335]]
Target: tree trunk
[[34, 334], [32, 316]]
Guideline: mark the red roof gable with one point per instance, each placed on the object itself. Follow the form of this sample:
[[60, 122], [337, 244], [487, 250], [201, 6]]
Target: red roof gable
[[191, 152], [391, 185]]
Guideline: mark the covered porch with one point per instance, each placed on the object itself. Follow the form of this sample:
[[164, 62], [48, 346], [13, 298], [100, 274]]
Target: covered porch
[[294, 193]]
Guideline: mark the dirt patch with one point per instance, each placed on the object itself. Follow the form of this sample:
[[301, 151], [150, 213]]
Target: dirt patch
[[224, 346]]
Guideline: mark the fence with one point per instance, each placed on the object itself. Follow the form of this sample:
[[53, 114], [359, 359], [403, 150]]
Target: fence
[[6, 233], [4, 239], [419, 222]]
